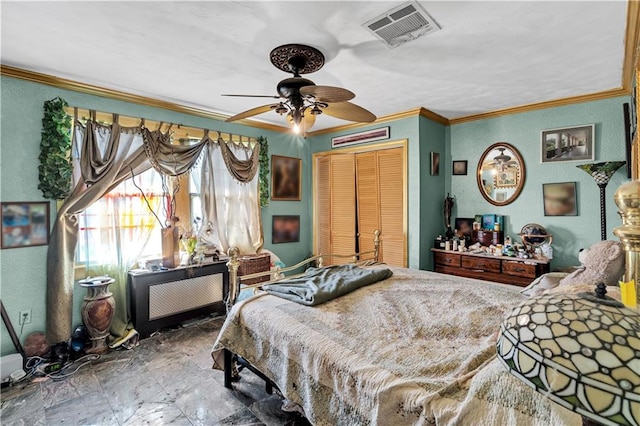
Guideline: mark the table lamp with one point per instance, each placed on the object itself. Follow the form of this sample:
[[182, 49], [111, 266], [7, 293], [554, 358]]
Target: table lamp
[[601, 173], [580, 350]]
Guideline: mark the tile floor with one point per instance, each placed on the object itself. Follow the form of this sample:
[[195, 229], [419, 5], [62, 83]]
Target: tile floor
[[167, 379]]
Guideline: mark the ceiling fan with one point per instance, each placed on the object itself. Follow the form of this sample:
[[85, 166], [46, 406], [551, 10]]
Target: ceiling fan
[[300, 99], [502, 160]]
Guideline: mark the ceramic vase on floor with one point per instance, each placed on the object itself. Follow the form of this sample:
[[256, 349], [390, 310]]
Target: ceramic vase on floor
[[98, 309]]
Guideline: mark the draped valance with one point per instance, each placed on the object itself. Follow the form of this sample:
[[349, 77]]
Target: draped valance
[[108, 155]]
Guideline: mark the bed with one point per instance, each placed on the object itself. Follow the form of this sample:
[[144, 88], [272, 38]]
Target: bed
[[416, 348]]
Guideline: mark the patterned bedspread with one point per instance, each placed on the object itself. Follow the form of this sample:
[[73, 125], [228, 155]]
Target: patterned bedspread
[[415, 349]]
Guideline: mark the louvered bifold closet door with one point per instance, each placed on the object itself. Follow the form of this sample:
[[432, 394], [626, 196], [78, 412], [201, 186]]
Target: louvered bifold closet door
[[323, 205], [368, 199], [391, 187], [336, 206], [343, 206]]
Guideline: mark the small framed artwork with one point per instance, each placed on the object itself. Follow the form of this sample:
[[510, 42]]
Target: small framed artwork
[[285, 229], [568, 144], [507, 178], [435, 164], [286, 178], [25, 224], [361, 137], [460, 167], [560, 199]]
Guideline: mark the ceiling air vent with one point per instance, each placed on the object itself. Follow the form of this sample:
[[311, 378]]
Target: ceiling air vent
[[402, 24]]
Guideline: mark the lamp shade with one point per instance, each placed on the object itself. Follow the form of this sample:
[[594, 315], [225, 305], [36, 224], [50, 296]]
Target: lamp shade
[[581, 351]]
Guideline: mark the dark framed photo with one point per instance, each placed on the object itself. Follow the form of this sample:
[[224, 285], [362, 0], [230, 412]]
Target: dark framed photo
[[25, 224], [435, 164], [464, 225], [460, 167], [568, 144], [560, 199], [285, 229], [286, 178]]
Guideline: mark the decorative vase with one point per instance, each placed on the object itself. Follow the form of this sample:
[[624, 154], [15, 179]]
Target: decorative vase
[[98, 308]]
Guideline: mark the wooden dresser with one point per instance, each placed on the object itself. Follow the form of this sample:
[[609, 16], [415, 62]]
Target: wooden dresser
[[502, 269]]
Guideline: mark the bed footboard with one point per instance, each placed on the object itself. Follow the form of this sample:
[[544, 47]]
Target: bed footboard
[[231, 360], [361, 258]]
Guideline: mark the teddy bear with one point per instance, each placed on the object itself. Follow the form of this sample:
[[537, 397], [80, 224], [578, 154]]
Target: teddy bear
[[603, 262]]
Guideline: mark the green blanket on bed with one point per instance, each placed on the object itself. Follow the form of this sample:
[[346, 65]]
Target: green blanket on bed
[[319, 285]]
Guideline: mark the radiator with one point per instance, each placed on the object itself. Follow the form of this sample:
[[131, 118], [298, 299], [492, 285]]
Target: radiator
[[184, 295], [166, 298]]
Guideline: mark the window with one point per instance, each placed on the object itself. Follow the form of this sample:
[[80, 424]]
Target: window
[[121, 227]]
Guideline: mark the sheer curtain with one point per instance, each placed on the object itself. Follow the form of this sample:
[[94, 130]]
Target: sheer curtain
[[104, 157], [231, 208], [114, 233]]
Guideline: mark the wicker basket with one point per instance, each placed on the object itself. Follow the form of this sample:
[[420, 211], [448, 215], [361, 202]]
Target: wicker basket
[[254, 264]]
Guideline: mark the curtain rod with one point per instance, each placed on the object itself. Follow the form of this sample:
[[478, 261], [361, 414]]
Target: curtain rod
[[179, 132]]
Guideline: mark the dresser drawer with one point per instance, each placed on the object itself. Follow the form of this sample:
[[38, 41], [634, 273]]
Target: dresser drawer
[[481, 263], [450, 259], [520, 269]]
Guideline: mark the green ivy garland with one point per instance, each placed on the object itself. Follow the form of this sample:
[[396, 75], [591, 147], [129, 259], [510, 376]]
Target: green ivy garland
[[55, 168], [263, 182]]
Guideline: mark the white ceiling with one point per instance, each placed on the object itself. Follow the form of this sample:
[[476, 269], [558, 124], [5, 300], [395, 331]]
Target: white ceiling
[[487, 56]]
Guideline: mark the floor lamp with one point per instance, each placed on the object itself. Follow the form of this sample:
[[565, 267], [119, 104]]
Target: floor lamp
[[601, 173]]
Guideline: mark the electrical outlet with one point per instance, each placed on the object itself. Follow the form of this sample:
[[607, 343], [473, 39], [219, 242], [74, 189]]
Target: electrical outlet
[[25, 317]]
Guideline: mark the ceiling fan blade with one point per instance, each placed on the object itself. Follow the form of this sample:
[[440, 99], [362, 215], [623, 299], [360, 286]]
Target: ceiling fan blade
[[253, 111], [308, 120], [327, 93], [253, 96], [349, 111]]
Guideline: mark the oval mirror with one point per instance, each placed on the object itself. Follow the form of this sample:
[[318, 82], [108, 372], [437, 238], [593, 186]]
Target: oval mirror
[[500, 174]]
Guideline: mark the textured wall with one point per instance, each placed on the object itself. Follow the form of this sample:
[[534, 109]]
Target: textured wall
[[469, 140], [22, 270]]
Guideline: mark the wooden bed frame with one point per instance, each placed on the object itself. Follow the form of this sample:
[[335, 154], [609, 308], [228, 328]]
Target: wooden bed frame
[[231, 360]]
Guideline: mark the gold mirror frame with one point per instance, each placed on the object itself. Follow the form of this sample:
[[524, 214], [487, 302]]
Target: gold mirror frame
[[513, 178]]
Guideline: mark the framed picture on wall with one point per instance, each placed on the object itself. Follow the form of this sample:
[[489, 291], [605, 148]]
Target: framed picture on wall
[[286, 178], [568, 144], [460, 167], [435, 164], [285, 229], [25, 224], [560, 199]]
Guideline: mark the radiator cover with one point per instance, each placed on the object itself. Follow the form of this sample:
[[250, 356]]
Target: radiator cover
[[165, 298], [184, 295]]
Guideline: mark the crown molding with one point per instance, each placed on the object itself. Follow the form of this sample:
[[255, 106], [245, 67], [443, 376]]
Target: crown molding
[[63, 83], [542, 105]]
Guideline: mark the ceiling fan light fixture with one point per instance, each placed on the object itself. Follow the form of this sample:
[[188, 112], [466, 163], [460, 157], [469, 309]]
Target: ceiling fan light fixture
[[281, 109], [315, 110], [299, 95]]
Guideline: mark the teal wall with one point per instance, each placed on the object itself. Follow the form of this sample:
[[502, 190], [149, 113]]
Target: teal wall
[[22, 270], [469, 140]]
